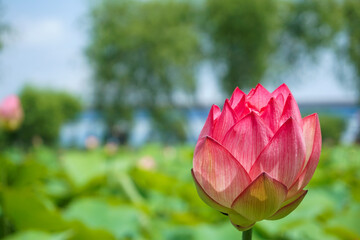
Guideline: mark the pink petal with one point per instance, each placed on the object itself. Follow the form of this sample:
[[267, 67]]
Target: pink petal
[[271, 115], [218, 172], [251, 93], [261, 199], [210, 121], [260, 97], [207, 199], [236, 97], [288, 208], [247, 139], [281, 100], [291, 109], [241, 109], [282, 90], [283, 158], [312, 134], [226, 120]]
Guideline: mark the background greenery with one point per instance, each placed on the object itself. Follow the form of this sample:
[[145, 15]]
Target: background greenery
[[45, 112], [145, 53], [74, 194]]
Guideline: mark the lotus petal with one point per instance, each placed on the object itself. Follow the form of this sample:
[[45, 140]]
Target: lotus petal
[[282, 92], [251, 93], [221, 176], [226, 120], [247, 139], [291, 109], [210, 122], [287, 209], [241, 228], [261, 199], [312, 135], [259, 98], [239, 220], [241, 109], [206, 198], [283, 158], [236, 97], [271, 114]]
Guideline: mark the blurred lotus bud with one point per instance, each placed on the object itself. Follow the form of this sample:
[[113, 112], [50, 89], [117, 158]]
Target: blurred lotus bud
[[111, 148], [146, 163], [169, 153], [91, 142], [11, 113], [254, 158]]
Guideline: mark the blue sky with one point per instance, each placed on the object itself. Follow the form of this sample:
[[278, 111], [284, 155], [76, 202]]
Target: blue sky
[[45, 47]]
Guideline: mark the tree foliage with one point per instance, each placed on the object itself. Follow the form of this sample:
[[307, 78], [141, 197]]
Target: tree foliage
[[142, 52], [243, 34], [44, 113], [352, 31]]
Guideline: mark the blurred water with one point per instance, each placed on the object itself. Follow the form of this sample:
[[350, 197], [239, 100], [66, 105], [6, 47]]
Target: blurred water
[[91, 124], [88, 124], [352, 130]]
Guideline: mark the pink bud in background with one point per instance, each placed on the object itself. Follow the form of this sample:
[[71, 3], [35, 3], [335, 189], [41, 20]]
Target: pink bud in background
[[146, 163], [91, 142], [111, 148], [11, 113], [253, 158]]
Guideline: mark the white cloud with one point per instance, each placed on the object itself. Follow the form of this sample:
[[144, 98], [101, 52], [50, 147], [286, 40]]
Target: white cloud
[[44, 31], [40, 32]]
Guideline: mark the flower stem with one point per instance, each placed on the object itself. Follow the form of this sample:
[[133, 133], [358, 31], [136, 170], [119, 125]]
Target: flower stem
[[247, 235]]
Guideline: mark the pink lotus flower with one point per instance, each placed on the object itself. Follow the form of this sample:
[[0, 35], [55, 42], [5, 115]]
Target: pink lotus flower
[[11, 113], [253, 158]]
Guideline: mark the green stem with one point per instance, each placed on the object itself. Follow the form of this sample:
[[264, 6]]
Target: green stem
[[247, 235]]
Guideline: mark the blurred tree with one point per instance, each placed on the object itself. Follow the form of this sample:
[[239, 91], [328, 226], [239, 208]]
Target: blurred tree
[[312, 25], [332, 127], [141, 53], [352, 31], [4, 28], [144, 51], [44, 113], [243, 35]]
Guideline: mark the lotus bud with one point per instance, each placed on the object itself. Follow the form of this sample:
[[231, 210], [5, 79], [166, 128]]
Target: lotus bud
[[11, 113], [253, 159]]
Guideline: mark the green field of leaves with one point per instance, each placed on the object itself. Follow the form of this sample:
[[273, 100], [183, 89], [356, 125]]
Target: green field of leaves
[[148, 193]]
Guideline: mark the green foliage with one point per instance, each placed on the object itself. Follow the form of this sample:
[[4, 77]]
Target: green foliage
[[314, 23], [331, 128], [4, 27], [169, 124], [141, 52], [352, 49], [244, 36], [44, 113], [46, 194], [253, 38]]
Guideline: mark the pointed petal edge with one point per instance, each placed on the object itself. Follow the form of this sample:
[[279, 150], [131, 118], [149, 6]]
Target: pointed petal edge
[[251, 201], [281, 174], [240, 220], [286, 210], [241, 228]]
